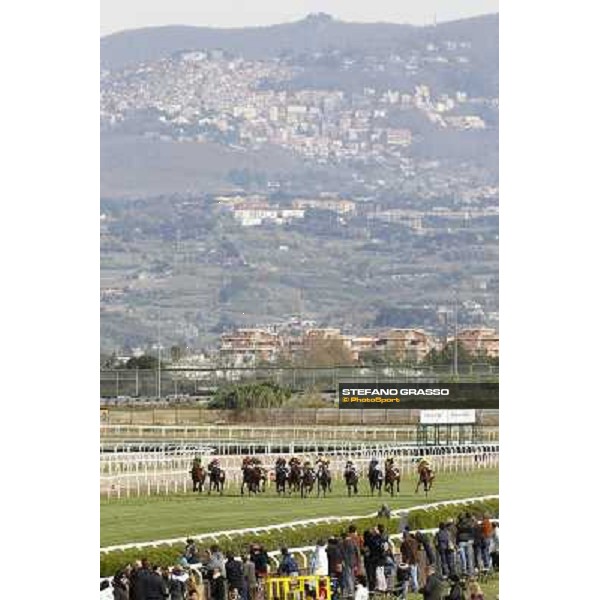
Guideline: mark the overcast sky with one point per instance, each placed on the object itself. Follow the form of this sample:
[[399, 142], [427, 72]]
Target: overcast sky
[[130, 14]]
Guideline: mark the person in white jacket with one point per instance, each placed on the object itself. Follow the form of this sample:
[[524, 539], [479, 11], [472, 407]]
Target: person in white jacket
[[319, 562], [362, 591]]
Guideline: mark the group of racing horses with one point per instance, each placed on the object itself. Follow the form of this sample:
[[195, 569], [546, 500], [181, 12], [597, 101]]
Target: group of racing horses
[[293, 476]]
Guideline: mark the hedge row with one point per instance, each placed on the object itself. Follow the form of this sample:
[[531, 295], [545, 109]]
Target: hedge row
[[306, 536], [428, 519]]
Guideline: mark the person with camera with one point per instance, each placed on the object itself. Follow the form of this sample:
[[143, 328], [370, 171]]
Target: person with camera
[[434, 586], [402, 579], [457, 588]]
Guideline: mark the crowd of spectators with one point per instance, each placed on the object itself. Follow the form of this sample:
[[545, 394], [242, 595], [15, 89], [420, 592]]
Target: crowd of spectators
[[443, 566]]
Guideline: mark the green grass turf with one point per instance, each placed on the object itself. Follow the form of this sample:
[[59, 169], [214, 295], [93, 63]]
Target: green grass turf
[[162, 517]]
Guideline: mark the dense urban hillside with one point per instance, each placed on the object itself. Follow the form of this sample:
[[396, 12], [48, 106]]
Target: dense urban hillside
[[343, 174]]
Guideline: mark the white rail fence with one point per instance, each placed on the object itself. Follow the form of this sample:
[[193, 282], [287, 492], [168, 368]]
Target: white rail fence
[[167, 476], [300, 433], [292, 525]]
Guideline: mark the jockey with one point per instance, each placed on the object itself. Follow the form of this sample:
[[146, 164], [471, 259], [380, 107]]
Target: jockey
[[350, 467], [424, 463]]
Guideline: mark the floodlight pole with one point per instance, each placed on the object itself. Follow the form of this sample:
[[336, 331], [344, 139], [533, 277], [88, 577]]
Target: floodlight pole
[[159, 349], [455, 334]]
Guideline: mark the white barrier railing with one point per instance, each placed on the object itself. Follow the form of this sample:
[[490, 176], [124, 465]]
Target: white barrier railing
[[393, 432], [292, 524]]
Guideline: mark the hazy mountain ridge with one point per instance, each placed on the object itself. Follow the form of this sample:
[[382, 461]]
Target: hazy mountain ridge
[[313, 34]]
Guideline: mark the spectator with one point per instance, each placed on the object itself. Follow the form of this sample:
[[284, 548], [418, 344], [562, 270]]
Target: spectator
[[474, 591], [191, 553], [139, 580], [193, 591], [260, 559], [465, 536], [134, 593], [218, 587], [452, 532], [409, 550], [234, 572], [351, 564], [456, 588], [434, 586], [403, 577], [216, 560], [380, 548], [478, 547], [166, 576], [384, 512], [334, 558], [250, 583], [370, 556], [120, 586], [177, 584], [319, 561], [427, 548], [443, 547], [154, 585], [362, 591], [495, 547], [288, 567], [355, 537]]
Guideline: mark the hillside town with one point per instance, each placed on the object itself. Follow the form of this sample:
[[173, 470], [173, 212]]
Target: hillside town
[[298, 341], [207, 95], [255, 345]]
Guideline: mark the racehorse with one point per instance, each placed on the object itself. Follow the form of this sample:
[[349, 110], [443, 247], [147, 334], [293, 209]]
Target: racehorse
[[351, 478], [392, 476], [307, 482], [198, 477], [294, 476], [426, 477], [375, 477], [251, 478], [281, 475], [323, 480], [216, 478]]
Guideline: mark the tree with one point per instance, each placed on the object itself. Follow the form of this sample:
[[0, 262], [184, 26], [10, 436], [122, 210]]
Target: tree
[[265, 394], [325, 353], [445, 356], [376, 358]]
